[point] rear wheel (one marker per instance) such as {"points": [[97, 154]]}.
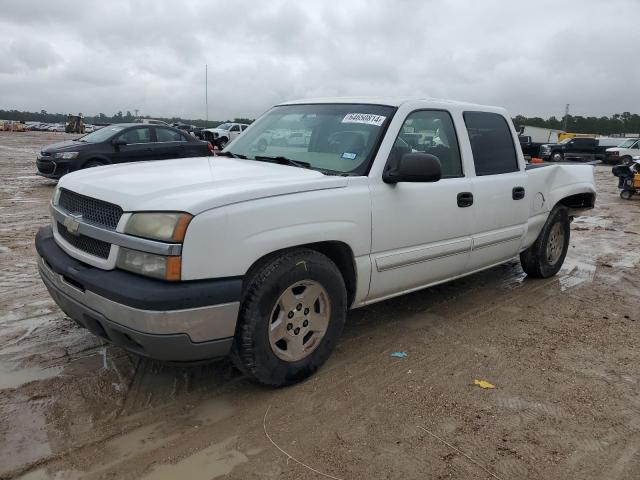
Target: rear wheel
{"points": [[292, 313], [545, 257], [626, 194]]}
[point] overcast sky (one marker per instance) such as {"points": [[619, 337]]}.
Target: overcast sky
{"points": [[531, 57]]}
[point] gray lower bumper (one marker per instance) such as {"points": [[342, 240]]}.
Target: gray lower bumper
{"points": [[178, 335]]}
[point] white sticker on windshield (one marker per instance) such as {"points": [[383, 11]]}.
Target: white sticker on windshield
{"points": [[366, 118]]}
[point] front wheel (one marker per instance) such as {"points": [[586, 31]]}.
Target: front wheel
{"points": [[544, 258], [293, 309], [556, 157], [93, 163], [222, 143]]}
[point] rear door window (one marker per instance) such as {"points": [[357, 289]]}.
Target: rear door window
{"points": [[168, 135], [491, 143]]}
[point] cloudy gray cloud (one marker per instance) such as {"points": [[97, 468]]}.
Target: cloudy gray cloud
{"points": [[531, 57]]}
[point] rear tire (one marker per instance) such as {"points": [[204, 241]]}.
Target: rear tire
{"points": [[626, 194], [545, 257], [293, 309]]}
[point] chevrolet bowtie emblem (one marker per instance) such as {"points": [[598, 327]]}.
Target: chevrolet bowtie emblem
{"points": [[72, 223]]}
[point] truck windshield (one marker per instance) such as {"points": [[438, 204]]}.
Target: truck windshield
{"points": [[627, 143], [224, 126], [340, 138]]}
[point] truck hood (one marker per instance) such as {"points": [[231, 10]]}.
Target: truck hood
{"points": [[194, 184]]}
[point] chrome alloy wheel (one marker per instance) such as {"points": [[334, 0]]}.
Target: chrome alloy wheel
{"points": [[299, 320], [555, 244]]}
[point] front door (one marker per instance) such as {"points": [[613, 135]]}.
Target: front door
{"points": [[137, 148], [500, 200], [421, 232], [234, 132]]}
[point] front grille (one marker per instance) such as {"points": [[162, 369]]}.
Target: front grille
{"points": [[92, 246], [92, 210], [46, 167]]}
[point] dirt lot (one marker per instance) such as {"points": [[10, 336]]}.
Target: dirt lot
{"points": [[564, 354]]}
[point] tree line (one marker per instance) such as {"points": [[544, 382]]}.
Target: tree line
{"points": [[119, 117], [619, 123]]}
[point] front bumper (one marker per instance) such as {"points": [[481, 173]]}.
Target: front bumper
{"points": [[49, 168], [181, 322]]}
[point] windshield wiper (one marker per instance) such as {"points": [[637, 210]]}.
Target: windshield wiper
{"points": [[283, 161], [232, 155]]}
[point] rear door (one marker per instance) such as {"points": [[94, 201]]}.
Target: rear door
{"points": [[499, 190], [170, 143]]}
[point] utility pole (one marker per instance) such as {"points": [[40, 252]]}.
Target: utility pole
{"points": [[566, 117], [136, 110], [206, 93]]}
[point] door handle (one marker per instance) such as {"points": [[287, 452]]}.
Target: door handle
{"points": [[517, 193], [465, 199]]}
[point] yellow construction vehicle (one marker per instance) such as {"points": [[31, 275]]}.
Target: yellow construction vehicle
{"points": [[75, 124]]}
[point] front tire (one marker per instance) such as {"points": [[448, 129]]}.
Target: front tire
{"points": [[222, 143], [556, 157], [545, 257], [93, 163], [292, 313]]}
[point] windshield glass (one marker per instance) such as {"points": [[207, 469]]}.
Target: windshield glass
{"points": [[566, 140], [224, 126], [336, 137], [100, 135], [627, 143]]}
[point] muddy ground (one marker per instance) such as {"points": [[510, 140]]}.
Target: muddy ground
{"points": [[564, 354]]}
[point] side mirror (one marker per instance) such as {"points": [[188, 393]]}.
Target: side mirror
{"points": [[414, 167], [118, 142]]}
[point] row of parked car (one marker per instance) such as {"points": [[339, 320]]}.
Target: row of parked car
{"points": [[55, 127], [543, 143]]}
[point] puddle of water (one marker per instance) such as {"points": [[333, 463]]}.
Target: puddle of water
{"points": [[42, 474], [591, 222], [16, 378], [579, 272], [213, 411], [212, 462], [25, 439]]}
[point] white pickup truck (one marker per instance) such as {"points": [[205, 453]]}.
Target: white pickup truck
{"points": [[260, 252]]}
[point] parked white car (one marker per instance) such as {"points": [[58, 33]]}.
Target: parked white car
{"points": [[223, 134], [624, 152], [260, 253]]}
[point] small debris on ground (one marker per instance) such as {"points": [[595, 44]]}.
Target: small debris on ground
{"points": [[483, 384]]}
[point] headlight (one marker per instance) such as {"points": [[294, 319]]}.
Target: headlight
{"points": [[66, 155], [163, 226], [150, 265]]}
